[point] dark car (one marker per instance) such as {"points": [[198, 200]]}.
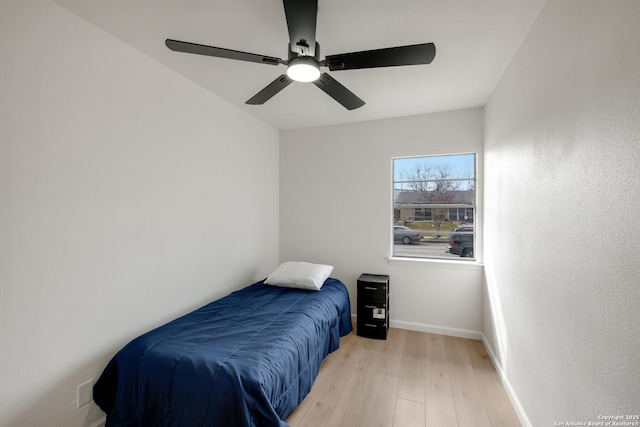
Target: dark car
{"points": [[405, 235], [461, 241]]}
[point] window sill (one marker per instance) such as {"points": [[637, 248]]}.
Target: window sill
{"points": [[419, 262]]}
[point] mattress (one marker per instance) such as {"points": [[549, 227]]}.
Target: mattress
{"points": [[247, 359]]}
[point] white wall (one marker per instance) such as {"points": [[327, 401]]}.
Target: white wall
{"points": [[562, 162], [128, 195], [335, 207]]}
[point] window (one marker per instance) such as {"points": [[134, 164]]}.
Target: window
{"points": [[434, 203]]}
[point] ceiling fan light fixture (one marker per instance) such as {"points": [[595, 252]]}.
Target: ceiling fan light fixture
{"points": [[303, 61], [303, 69]]}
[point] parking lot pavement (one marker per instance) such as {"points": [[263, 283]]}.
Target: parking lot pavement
{"points": [[422, 250]]}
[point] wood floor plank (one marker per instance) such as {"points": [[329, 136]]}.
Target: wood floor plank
{"points": [[368, 383], [412, 382], [381, 402], [440, 408], [497, 403], [358, 385], [470, 408], [409, 414], [330, 387], [393, 348]]}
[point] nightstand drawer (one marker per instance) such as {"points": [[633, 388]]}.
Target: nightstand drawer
{"points": [[372, 291], [373, 329], [372, 311]]}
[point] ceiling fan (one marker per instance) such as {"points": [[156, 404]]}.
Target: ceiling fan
{"points": [[303, 63]]}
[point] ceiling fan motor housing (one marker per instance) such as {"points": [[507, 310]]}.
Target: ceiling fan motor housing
{"points": [[316, 57], [304, 68]]}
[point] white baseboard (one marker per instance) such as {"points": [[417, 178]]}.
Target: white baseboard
{"points": [[432, 329], [100, 423], [507, 385]]}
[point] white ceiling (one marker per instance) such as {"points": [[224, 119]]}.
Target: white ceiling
{"points": [[475, 42]]}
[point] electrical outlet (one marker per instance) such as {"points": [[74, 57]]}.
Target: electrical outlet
{"points": [[85, 393]]}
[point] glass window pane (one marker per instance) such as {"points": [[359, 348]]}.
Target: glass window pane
{"points": [[434, 206]]}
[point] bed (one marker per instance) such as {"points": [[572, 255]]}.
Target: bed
{"points": [[247, 359]]}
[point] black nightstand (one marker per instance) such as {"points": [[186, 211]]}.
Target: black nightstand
{"points": [[373, 306]]}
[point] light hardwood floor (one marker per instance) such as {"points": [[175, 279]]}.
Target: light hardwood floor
{"points": [[412, 379]]}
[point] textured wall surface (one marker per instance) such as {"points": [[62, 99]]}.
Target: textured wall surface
{"points": [[335, 207], [562, 162], [128, 196]]}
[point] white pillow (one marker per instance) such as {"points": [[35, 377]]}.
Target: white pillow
{"points": [[301, 275]]}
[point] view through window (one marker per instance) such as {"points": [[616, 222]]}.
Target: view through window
{"points": [[434, 206]]}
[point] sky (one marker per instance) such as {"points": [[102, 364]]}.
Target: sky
{"points": [[460, 164]]}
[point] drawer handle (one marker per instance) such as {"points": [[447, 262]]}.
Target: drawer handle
{"points": [[370, 306], [370, 325], [369, 288]]}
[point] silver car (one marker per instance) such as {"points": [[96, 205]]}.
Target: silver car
{"points": [[405, 235]]}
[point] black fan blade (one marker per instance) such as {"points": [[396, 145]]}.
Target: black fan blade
{"points": [[268, 92], [200, 49], [390, 57], [301, 21], [334, 89]]}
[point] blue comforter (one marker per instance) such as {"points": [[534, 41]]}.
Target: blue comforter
{"points": [[247, 359]]}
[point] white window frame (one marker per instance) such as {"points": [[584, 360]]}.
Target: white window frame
{"points": [[445, 257]]}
